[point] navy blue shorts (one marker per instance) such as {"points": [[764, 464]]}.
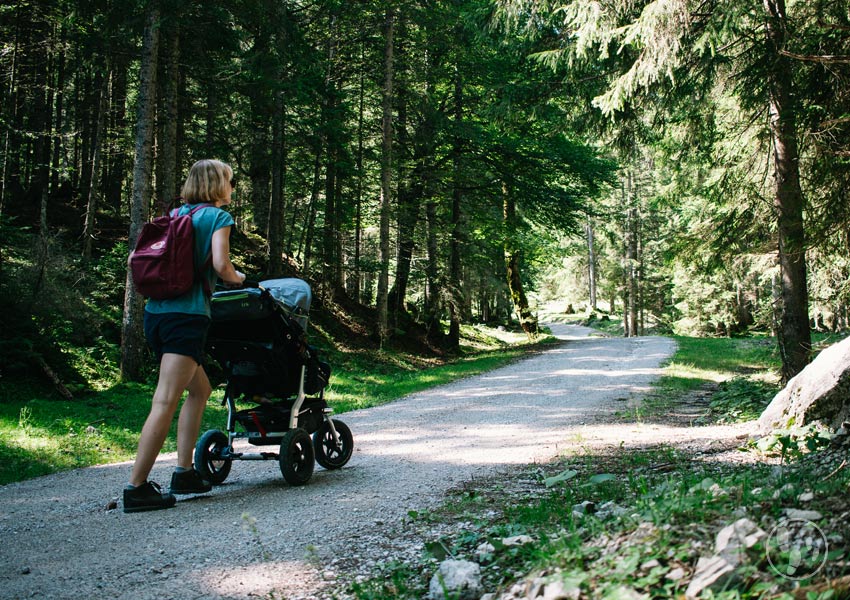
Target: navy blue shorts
{"points": [[177, 333]]}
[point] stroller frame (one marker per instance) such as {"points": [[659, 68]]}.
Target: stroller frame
{"points": [[289, 422]]}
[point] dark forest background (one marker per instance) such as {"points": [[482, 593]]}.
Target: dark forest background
{"points": [[426, 164]]}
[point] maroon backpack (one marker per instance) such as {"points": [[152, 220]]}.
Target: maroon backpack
{"points": [[163, 263]]}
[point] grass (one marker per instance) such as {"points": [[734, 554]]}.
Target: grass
{"points": [[651, 512], [42, 434]]}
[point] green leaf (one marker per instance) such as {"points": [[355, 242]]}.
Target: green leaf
{"points": [[602, 478], [438, 550], [564, 476]]}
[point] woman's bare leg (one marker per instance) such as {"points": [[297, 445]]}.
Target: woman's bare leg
{"points": [[191, 415], [175, 373]]}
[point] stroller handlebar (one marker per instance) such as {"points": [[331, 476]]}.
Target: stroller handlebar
{"points": [[248, 283]]}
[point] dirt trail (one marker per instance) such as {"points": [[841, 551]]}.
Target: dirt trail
{"points": [[255, 536]]}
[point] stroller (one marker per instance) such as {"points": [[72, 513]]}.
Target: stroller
{"points": [[258, 337]]}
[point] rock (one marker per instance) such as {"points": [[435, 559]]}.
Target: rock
{"points": [[485, 551], [788, 487], [737, 537], [610, 509], [818, 393], [650, 564], [586, 507], [459, 579], [558, 590], [622, 592], [518, 540], [806, 497], [803, 515], [676, 574], [713, 573]]}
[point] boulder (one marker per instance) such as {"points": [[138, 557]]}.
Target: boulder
{"points": [[820, 392], [459, 579]]}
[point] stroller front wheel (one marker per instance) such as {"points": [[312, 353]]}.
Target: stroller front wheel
{"points": [[208, 459], [333, 455], [296, 456]]}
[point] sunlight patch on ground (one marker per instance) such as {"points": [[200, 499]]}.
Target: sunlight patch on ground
{"points": [[263, 579]]}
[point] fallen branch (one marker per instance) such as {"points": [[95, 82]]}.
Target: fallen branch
{"points": [[54, 378], [841, 466], [840, 586]]}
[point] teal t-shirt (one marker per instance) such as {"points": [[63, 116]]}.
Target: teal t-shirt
{"points": [[205, 222]]}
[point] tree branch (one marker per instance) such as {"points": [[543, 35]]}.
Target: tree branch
{"points": [[825, 59]]}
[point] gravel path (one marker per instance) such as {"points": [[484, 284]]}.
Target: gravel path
{"points": [[255, 536]]}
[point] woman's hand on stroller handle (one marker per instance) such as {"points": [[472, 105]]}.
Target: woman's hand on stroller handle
{"points": [[245, 283], [235, 284]]}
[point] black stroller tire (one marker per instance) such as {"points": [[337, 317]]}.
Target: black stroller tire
{"points": [[296, 457], [332, 455], [207, 457]]}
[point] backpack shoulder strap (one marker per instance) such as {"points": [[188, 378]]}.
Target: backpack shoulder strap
{"points": [[198, 207]]}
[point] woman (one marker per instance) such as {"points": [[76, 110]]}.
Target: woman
{"points": [[176, 330]]}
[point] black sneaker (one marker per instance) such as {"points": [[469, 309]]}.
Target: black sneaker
{"points": [[148, 496], [189, 482]]}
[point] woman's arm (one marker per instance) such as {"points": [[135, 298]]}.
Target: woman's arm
{"points": [[221, 258]]}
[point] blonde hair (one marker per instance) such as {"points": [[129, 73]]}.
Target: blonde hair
{"points": [[208, 181]]}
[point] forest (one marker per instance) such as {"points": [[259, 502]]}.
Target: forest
{"points": [[683, 162]]}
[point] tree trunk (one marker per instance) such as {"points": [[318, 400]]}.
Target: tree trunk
{"points": [[166, 157], [631, 328], [455, 292], [118, 160], [527, 319], [432, 281], [307, 242], [10, 114], [358, 207], [58, 123], [591, 264], [386, 177], [276, 210], [133, 344], [332, 128], [92, 205], [794, 334], [260, 168]]}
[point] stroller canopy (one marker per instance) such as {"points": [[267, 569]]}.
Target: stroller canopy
{"points": [[293, 295]]}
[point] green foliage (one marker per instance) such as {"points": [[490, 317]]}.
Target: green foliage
{"points": [[740, 399], [793, 441], [645, 523], [62, 312]]}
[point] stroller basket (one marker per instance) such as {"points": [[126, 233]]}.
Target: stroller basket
{"points": [[267, 423]]}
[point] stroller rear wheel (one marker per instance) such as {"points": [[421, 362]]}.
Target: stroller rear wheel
{"points": [[208, 460], [333, 455], [296, 457]]}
